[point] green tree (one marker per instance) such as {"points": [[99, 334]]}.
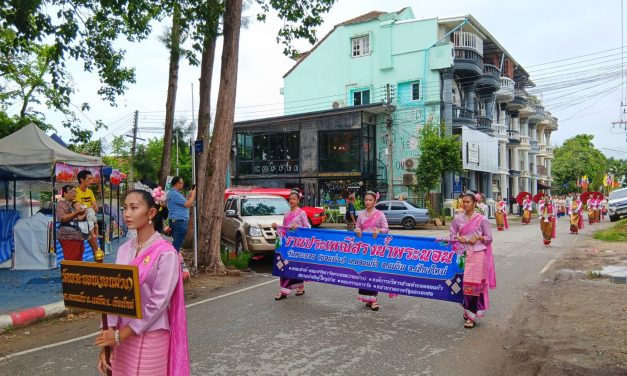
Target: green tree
{"points": [[438, 154], [575, 158], [618, 169], [93, 148], [119, 156]]}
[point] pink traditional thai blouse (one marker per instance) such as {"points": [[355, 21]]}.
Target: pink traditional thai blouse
{"points": [[155, 292], [482, 230], [369, 222], [298, 216]]}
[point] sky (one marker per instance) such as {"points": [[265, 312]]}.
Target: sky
{"points": [[548, 38]]}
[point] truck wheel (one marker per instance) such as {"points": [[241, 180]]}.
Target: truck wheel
{"points": [[614, 218], [239, 245], [409, 223]]}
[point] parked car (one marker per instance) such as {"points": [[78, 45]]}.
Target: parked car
{"points": [[315, 215], [403, 213], [248, 219], [617, 204]]}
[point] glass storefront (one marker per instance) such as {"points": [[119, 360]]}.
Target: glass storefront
{"points": [[339, 151], [268, 154]]}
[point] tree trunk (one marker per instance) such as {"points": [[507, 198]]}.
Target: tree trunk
{"points": [[204, 120], [173, 77], [220, 147]]}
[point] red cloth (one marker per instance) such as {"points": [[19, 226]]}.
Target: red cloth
{"points": [[73, 249]]}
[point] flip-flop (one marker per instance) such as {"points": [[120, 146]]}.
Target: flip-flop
{"points": [[280, 297], [299, 293], [469, 324]]}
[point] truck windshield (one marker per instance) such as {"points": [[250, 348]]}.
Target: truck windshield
{"points": [[264, 206], [618, 194]]}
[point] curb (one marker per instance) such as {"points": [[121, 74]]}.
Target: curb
{"points": [[28, 316]]}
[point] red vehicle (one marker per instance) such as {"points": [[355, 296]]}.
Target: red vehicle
{"points": [[316, 216]]}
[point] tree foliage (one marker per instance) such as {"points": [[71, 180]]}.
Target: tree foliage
{"points": [[575, 158], [439, 154], [618, 169]]}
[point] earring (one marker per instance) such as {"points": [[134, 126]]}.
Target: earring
{"points": [[150, 221]]}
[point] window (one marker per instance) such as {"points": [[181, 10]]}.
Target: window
{"points": [[361, 46], [230, 204], [398, 206], [382, 206], [270, 153], [415, 91], [339, 151], [361, 97]]}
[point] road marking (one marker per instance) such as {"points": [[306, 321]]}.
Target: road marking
{"points": [[547, 266], [10, 356]]}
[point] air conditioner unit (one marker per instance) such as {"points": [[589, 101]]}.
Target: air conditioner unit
{"points": [[409, 179], [337, 104], [409, 163]]}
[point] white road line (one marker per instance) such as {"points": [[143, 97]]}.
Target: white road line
{"points": [[547, 266], [10, 356]]}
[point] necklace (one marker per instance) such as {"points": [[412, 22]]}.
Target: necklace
{"points": [[146, 244]]}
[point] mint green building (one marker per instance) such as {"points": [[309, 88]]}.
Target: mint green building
{"points": [[433, 69]]}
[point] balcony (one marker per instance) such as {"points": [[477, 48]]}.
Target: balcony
{"points": [[513, 136], [534, 147], [506, 91], [500, 130], [525, 174], [489, 82], [554, 125], [463, 116], [542, 150], [519, 102], [549, 152], [525, 141], [468, 54]]}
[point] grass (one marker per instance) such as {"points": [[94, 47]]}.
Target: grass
{"points": [[616, 233], [240, 261]]}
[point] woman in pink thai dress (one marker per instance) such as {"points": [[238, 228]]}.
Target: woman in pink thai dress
{"points": [[374, 221], [156, 344], [472, 231], [293, 219]]}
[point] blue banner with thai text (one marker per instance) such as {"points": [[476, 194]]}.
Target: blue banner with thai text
{"points": [[396, 264]]}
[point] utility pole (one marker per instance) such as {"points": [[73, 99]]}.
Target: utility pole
{"points": [[389, 109], [133, 146], [177, 152]]}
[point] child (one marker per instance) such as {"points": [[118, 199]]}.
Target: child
{"points": [[92, 223]]}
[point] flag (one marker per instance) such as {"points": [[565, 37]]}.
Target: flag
{"points": [[605, 183]]}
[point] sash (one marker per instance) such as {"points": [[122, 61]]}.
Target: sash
{"points": [[371, 221], [470, 227], [178, 357], [290, 217]]}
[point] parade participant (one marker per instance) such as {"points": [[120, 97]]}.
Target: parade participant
{"points": [[527, 207], [69, 235], [597, 208], [561, 207], [293, 219], [604, 207], [351, 214], [472, 231], [178, 208], [156, 344], [546, 212], [458, 205], [576, 216], [501, 214], [481, 206], [590, 205], [374, 221], [86, 197]]}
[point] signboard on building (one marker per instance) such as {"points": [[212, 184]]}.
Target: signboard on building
{"points": [[480, 152]]}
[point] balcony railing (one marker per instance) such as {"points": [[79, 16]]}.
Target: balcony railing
{"points": [[513, 135], [549, 151], [524, 140], [534, 145], [464, 39], [471, 55], [463, 113], [507, 83], [499, 129], [491, 70], [542, 149]]}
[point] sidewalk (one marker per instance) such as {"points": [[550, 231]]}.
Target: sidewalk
{"points": [[35, 292]]}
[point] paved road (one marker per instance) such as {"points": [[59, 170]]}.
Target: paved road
{"points": [[328, 331]]}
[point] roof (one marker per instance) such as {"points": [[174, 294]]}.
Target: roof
{"points": [[29, 152], [366, 17]]}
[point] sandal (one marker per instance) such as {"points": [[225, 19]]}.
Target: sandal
{"points": [[469, 324], [280, 297], [374, 306], [300, 292]]}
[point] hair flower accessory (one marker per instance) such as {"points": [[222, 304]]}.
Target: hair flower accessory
{"points": [[158, 194], [377, 195]]}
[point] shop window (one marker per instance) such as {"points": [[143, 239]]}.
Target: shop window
{"points": [[339, 151]]}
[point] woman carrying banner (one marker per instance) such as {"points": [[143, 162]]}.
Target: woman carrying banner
{"points": [[374, 221], [472, 231], [293, 219], [576, 217], [501, 214], [527, 207], [69, 235], [546, 212], [156, 344]]}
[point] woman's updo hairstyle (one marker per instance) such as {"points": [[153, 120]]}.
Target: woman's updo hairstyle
{"points": [[469, 195]]}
